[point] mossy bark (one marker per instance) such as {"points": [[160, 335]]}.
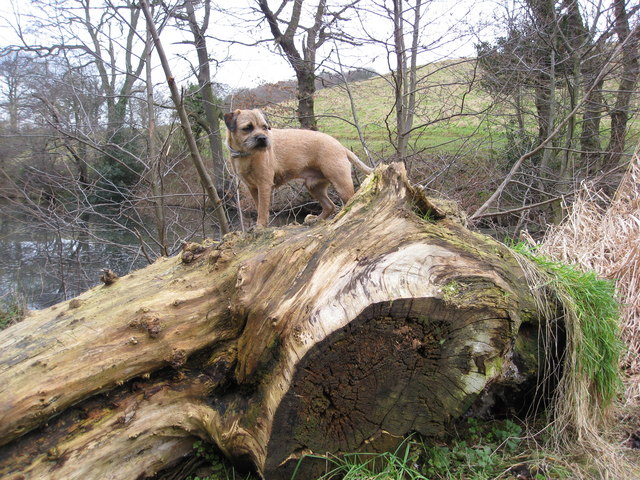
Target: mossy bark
{"points": [[341, 337]]}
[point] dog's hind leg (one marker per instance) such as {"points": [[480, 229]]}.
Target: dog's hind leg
{"points": [[340, 176], [344, 187], [318, 189]]}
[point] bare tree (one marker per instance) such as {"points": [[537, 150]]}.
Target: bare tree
{"points": [[405, 74], [560, 55], [303, 57], [629, 38], [212, 111], [420, 42], [154, 156], [205, 178], [13, 72], [69, 180]]}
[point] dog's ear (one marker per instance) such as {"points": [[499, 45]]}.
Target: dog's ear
{"points": [[231, 120], [266, 119]]}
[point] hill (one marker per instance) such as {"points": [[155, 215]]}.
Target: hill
{"points": [[447, 110]]}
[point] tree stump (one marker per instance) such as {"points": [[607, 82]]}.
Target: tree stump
{"points": [[345, 336]]}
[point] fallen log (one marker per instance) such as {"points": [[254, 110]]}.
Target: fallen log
{"points": [[342, 337]]}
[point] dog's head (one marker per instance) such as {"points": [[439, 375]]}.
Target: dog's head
{"points": [[247, 130]]}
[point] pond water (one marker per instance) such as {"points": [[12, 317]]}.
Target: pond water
{"points": [[45, 265], [48, 260]]}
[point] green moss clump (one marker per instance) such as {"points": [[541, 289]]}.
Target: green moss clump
{"points": [[450, 290]]}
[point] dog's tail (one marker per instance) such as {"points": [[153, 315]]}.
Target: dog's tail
{"points": [[353, 158]]}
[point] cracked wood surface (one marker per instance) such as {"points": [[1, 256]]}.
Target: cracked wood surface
{"points": [[344, 336]]}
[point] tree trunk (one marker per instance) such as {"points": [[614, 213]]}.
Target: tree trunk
{"points": [[203, 174], [154, 157], [630, 42], [379, 323], [590, 137], [211, 109], [306, 91], [405, 77], [303, 64]]}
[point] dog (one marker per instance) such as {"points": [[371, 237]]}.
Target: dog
{"points": [[266, 158]]}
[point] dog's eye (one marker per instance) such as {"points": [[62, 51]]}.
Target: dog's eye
{"points": [[266, 127], [248, 128]]}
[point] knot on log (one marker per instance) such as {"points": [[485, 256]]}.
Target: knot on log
{"points": [[147, 323], [192, 251], [108, 276]]}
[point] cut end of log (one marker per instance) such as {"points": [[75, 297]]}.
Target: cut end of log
{"points": [[411, 365], [402, 366]]}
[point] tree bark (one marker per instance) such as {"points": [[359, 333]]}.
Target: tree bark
{"points": [[405, 76], [154, 157], [306, 92], [304, 64], [211, 109], [341, 337], [629, 40]]}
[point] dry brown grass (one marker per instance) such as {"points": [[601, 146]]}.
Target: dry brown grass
{"points": [[603, 235]]}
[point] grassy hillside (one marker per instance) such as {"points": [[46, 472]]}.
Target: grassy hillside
{"points": [[446, 112], [454, 116]]}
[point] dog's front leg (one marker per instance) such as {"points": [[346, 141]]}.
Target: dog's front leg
{"points": [[263, 204]]}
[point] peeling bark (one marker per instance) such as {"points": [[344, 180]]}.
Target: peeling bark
{"points": [[341, 337]]}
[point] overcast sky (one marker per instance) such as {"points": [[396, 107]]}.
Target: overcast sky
{"points": [[251, 65]]}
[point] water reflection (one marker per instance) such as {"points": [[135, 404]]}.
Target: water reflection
{"points": [[48, 257], [47, 266]]}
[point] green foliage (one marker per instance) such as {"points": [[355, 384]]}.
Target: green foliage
{"points": [[430, 216], [217, 467], [12, 310], [480, 451], [194, 104], [450, 290], [400, 464], [484, 452], [516, 144], [120, 168]]}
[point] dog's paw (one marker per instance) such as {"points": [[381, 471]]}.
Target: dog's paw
{"points": [[257, 228], [311, 219]]}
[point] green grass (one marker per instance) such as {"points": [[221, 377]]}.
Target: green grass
{"points": [[441, 93], [400, 464], [591, 315], [217, 467], [588, 380], [487, 450], [459, 119], [478, 451]]}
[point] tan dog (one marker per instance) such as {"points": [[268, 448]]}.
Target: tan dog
{"points": [[266, 157]]}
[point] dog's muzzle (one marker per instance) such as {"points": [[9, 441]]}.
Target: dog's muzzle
{"points": [[261, 141]]}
